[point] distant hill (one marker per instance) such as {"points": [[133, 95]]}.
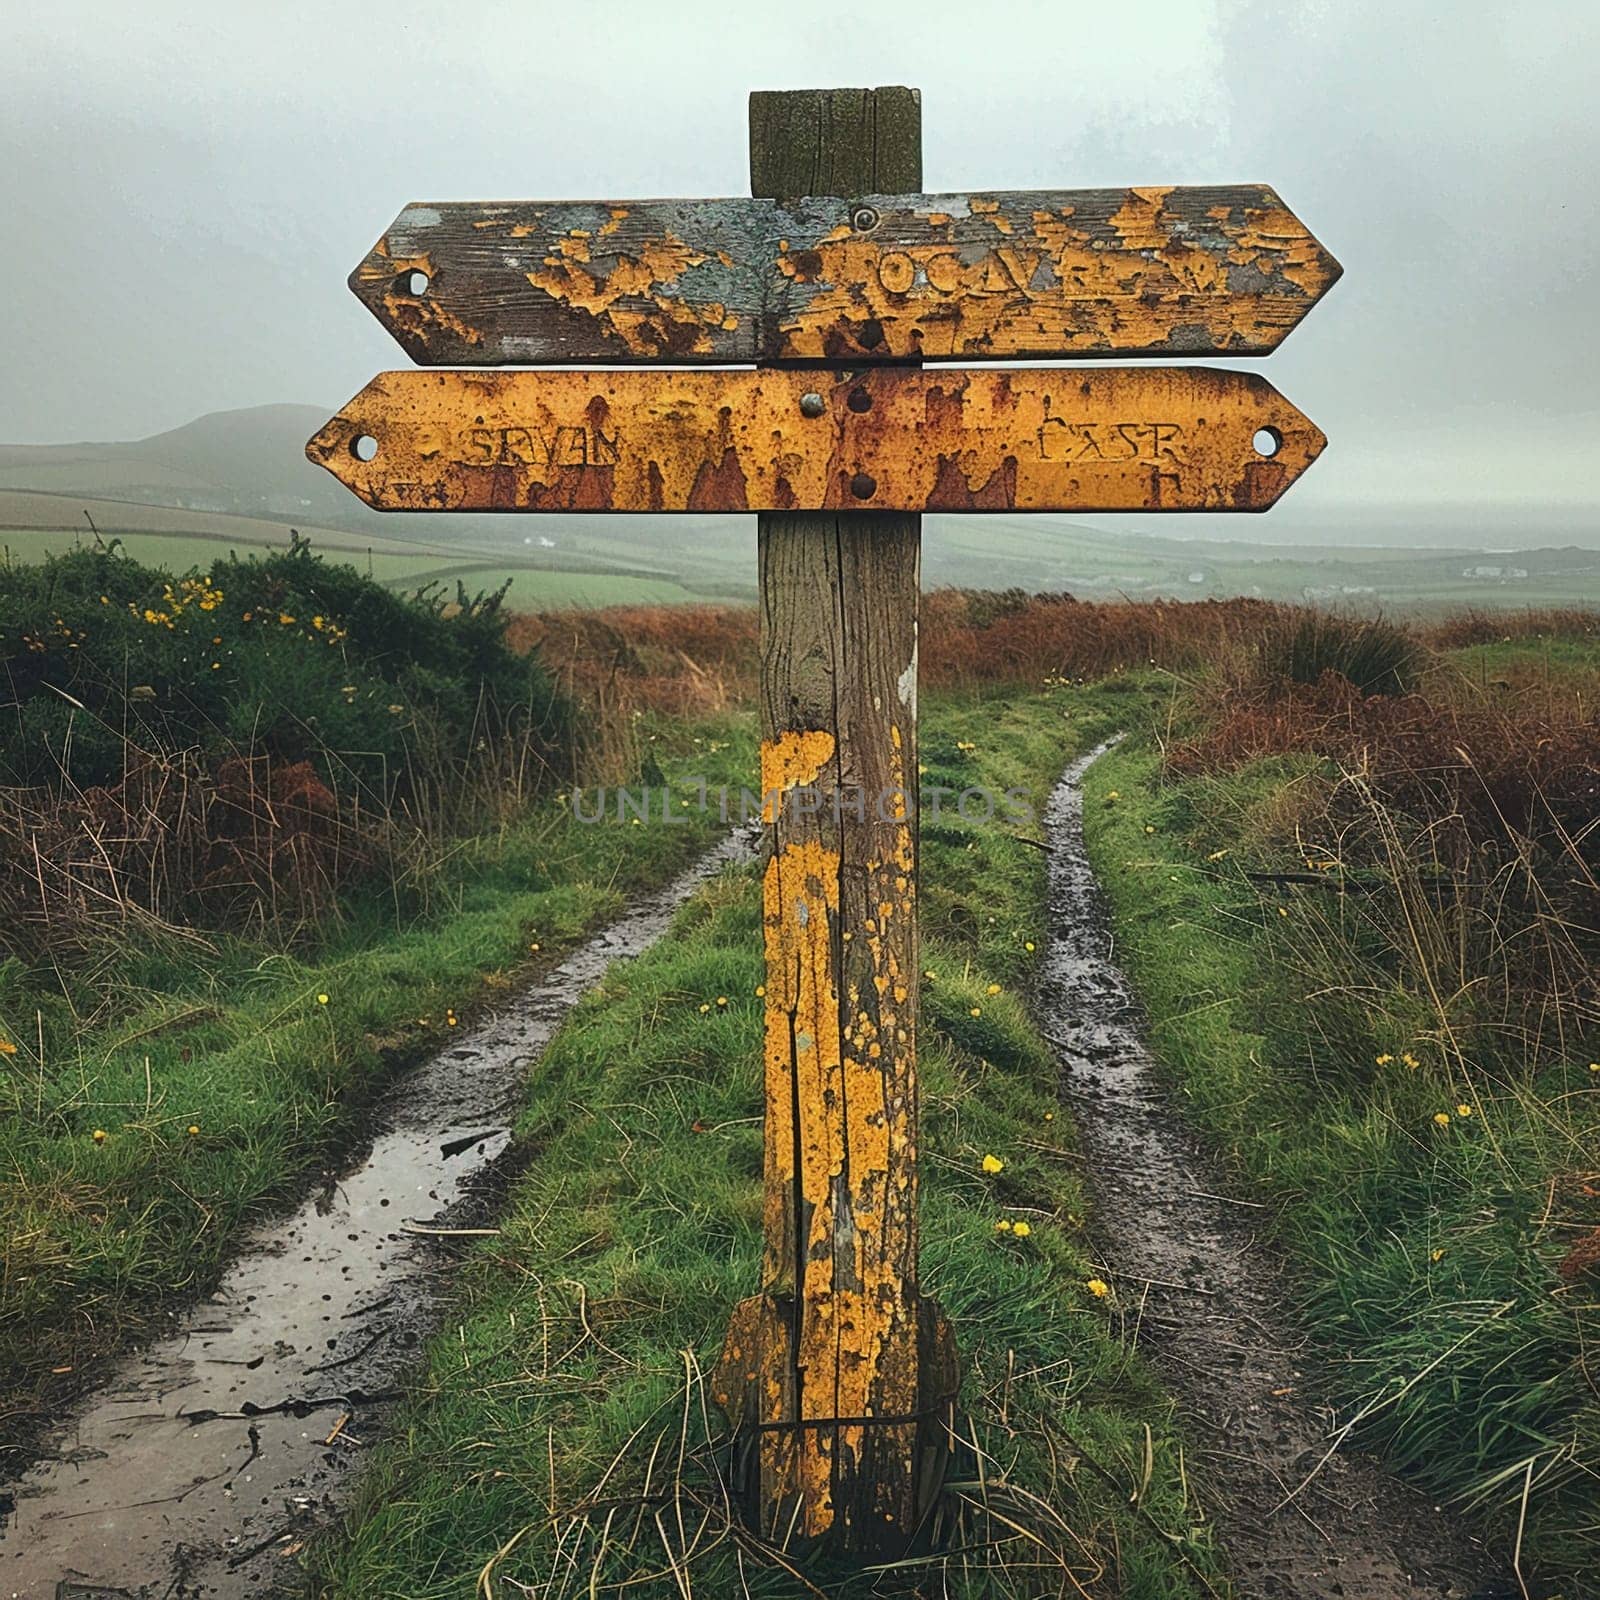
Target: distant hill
{"points": [[247, 463], [241, 479]]}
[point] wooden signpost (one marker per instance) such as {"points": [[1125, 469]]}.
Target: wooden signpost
{"points": [[1037, 274], [838, 278], [889, 439]]}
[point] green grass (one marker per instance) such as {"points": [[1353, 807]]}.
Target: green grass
{"points": [[711, 555], [637, 1228], [1425, 1253], [536, 584], [228, 1035]]}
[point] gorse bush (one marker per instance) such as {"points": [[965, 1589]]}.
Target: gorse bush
{"points": [[1376, 656], [285, 656], [235, 746]]}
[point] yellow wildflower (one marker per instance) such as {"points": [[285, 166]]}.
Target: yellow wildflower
{"points": [[1442, 1118], [977, 1011], [1020, 1230], [993, 1164], [99, 1135], [761, 990], [533, 947], [194, 1130], [1049, 1116], [7, 1048], [284, 618], [704, 1010], [322, 999], [722, 999], [1410, 1060], [1002, 1226], [1385, 1059], [1463, 1111], [1028, 945], [994, 988], [1098, 1287], [1436, 1255]]}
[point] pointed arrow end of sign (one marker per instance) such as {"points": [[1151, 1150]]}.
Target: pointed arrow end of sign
{"points": [[1315, 272], [340, 446], [1287, 442], [394, 281]]}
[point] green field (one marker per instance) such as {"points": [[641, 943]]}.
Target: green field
{"points": [[178, 540]]}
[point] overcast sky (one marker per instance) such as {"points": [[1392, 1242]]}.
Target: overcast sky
{"points": [[186, 187]]}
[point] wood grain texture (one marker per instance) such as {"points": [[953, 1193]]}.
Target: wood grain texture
{"points": [[834, 141], [823, 1372], [856, 275], [890, 438]]}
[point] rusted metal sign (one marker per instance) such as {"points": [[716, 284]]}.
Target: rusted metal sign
{"points": [[885, 439], [1024, 274]]}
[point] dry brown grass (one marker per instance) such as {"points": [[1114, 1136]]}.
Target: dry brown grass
{"points": [[1469, 627], [687, 661], [172, 847]]}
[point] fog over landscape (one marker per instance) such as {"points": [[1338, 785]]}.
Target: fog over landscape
{"points": [[981, 1032], [186, 191]]}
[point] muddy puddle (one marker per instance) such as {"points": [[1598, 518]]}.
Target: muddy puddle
{"points": [[205, 1460], [1207, 1303]]}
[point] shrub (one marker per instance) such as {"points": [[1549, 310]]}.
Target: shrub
{"points": [[284, 655], [1374, 655], [234, 746]]}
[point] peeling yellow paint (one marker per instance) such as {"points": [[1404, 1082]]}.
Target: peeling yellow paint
{"points": [[792, 761], [1068, 288], [630, 299], [1107, 439], [1027, 275]]}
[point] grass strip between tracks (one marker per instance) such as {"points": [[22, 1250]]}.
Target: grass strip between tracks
{"points": [[557, 1437]]}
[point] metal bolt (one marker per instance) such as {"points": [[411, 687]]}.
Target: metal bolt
{"points": [[812, 405], [863, 219]]}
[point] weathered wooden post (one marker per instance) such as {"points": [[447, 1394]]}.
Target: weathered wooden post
{"points": [[836, 278], [838, 1367]]}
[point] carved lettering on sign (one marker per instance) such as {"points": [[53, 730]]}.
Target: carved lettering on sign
{"points": [[563, 446], [1005, 271], [1115, 439], [1040, 273], [1061, 439]]}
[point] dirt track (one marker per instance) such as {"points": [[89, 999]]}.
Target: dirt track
{"points": [[1300, 1520], [205, 1460]]}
